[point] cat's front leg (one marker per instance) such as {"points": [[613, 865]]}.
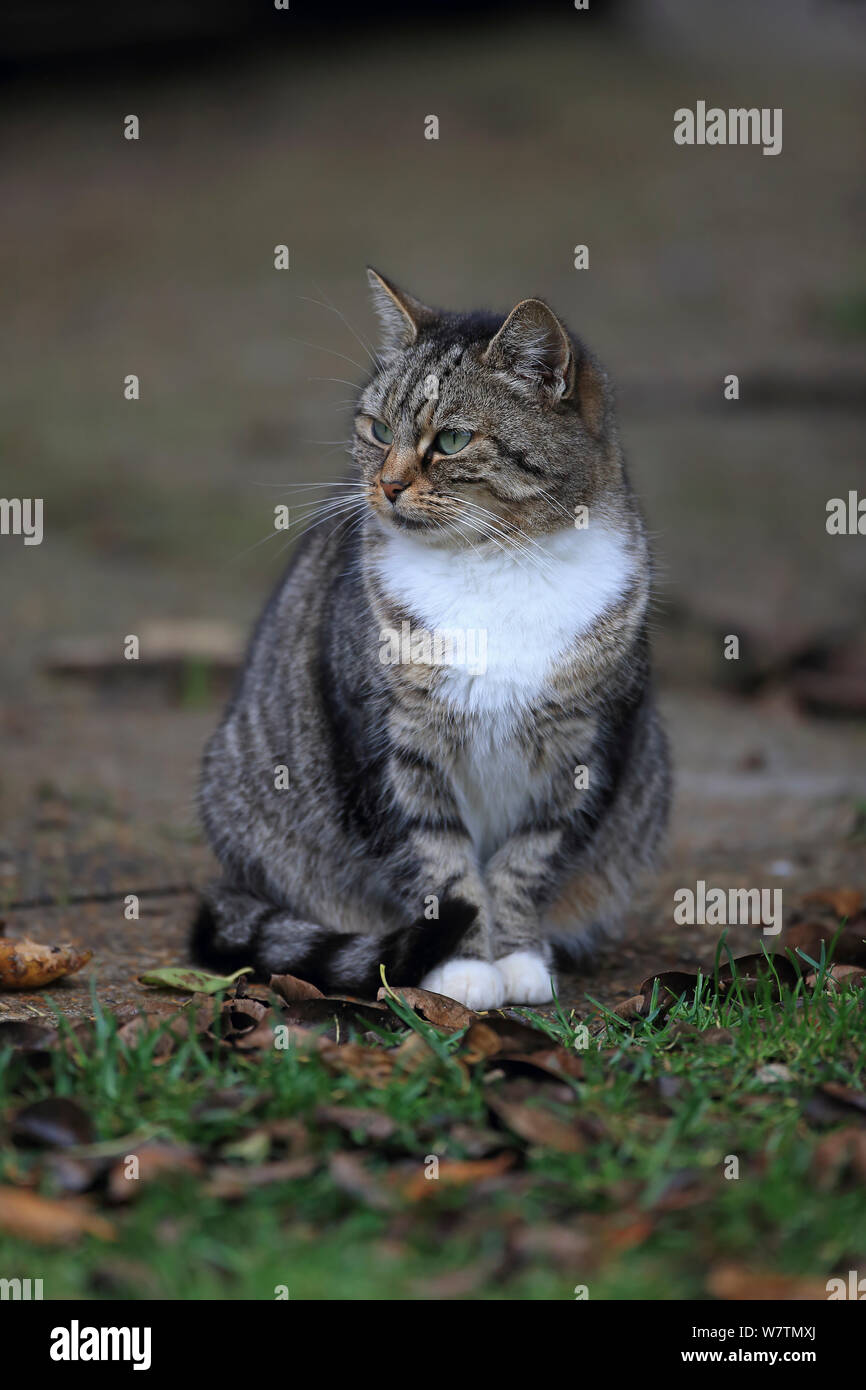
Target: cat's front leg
{"points": [[450, 884], [519, 877], [441, 882]]}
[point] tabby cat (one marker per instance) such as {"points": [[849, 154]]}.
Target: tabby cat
{"points": [[443, 754]]}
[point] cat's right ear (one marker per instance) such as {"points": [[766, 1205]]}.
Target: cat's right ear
{"points": [[401, 316]]}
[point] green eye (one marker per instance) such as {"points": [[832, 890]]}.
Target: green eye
{"points": [[452, 441], [382, 432]]}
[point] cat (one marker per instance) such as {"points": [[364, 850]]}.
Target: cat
{"points": [[443, 755]]}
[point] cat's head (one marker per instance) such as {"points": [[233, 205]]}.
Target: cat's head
{"points": [[474, 426]]}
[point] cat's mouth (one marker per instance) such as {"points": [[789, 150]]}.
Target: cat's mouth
{"points": [[411, 523]]}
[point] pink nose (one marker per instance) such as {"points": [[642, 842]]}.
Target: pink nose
{"points": [[392, 488]]}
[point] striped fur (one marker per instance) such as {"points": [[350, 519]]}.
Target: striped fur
{"points": [[433, 813]]}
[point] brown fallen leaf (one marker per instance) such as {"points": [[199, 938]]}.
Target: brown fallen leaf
{"points": [[374, 1065], [271, 1033], [481, 1041], [850, 941], [126, 1180], [687, 1187], [847, 1097], [356, 1119], [839, 977], [414, 1052], [672, 984], [537, 1125], [28, 964], [56, 1122], [290, 988], [635, 1007], [558, 1062], [778, 972], [455, 1173], [458, 1283], [843, 902], [174, 1028], [229, 1181], [627, 1231], [438, 1009], [737, 1283], [564, 1247], [351, 1175], [840, 1153], [517, 1036], [337, 1014], [49, 1221]]}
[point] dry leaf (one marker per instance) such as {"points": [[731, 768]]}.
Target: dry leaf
{"points": [[481, 1041], [841, 1152], [558, 1062], [850, 947], [228, 1181], [536, 1125], [30, 965], [374, 1065], [455, 1173], [355, 1119], [843, 902], [290, 988], [353, 1176], [48, 1221], [635, 1007], [57, 1122], [438, 1009], [152, 1161], [737, 1283]]}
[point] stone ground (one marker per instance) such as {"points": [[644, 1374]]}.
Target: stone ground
{"points": [[157, 258], [764, 798]]}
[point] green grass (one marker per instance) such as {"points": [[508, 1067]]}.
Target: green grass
{"points": [[664, 1106]]}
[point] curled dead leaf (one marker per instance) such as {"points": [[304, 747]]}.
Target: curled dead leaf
{"points": [[633, 1008], [438, 1009], [28, 964], [290, 988]]}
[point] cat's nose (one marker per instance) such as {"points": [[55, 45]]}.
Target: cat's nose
{"points": [[392, 487]]}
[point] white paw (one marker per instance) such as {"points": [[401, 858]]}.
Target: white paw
{"points": [[525, 978], [475, 983]]}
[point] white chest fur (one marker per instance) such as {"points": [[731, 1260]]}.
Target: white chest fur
{"points": [[515, 616], [519, 612]]}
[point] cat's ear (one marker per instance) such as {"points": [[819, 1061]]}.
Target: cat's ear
{"points": [[401, 316], [533, 344]]}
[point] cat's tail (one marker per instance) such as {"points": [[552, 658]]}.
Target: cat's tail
{"points": [[233, 928]]}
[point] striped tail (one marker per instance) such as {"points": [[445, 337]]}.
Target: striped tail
{"points": [[233, 929]]}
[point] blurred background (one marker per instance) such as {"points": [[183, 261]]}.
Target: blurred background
{"points": [[306, 127]]}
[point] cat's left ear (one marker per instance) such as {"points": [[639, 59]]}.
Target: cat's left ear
{"points": [[402, 317], [533, 344]]}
